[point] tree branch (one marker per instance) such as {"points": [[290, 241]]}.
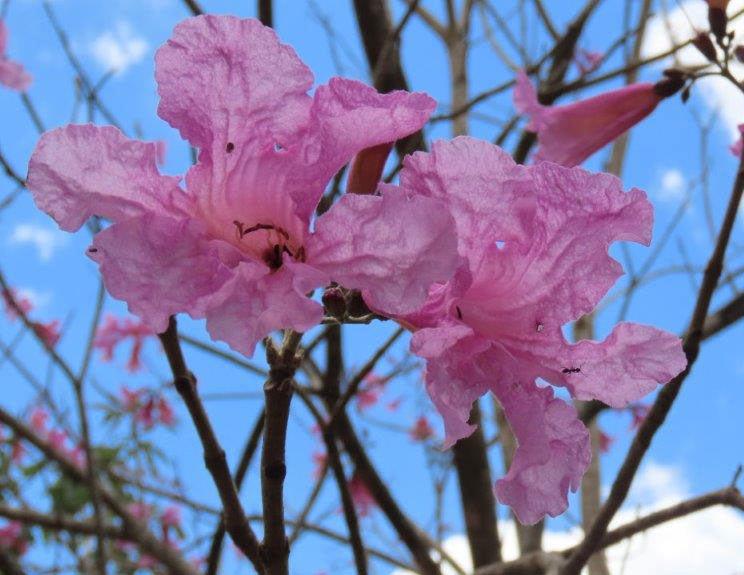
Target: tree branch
{"points": [[214, 456], [278, 393], [668, 393]]}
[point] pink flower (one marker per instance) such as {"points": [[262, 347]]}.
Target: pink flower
{"points": [[421, 430], [114, 331], [38, 419], [360, 495], [367, 397], [11, 297], [320, 460], [605, 441], [140, 511], [48, 332], [534, 242], [569, 134], [18, 451], [638, 412], [57, 439], [165, 412], [11, 535], [237, 246], [12, 73], [171, 517], [130, 398], [170, 520], [587, 61]]}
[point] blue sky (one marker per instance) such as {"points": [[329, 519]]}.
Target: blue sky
{"points": [[700, 441]]}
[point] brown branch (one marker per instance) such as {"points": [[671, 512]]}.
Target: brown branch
{"points": [[537, 563], [470, 457], [214, 456], [357, 380], [347, 503], [266, 13], [251, 445], [278, 393], [331, 392], [62, 523], [11, 173], [668, 393], [375, 28], [193, 7]]}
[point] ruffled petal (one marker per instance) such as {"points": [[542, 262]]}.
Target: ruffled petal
{"points": [[79, 171], [222, 79], [631, 362], [454, 379], [256, 302], [469, 176], [554, 451], [347, 117], [160, 266], [391, 247], [565, 268]]}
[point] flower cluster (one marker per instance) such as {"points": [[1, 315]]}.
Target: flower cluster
{"points": [[15, 303], [147, 407], [483, 259], [115, 331]]}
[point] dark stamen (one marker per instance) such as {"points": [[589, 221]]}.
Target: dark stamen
{"points": [[230, 147], [571, 370]]}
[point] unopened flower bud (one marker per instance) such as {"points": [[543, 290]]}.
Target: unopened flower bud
{"points": [[334, 302], [717, 19], [668, 86], [705, 46]]}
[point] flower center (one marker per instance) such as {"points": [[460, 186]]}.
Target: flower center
{"points": [[277, 243]]}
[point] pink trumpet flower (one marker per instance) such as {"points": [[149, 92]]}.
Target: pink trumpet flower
{"points": [[238, 246], [534, 245], [569, 134]]}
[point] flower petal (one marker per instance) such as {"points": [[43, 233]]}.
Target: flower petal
{"points": [[255, 302], [554, 451], [630, 363], [453, 377], [391, 247], [564, 269], [469, 176], [83, 170], [222, 79], [160, 266], [347, 117]]}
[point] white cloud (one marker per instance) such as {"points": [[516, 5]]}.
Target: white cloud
{"points": [[38, 299], [119, 48], [672, 186], [705, 542], [45, 240], [665, 31]]}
